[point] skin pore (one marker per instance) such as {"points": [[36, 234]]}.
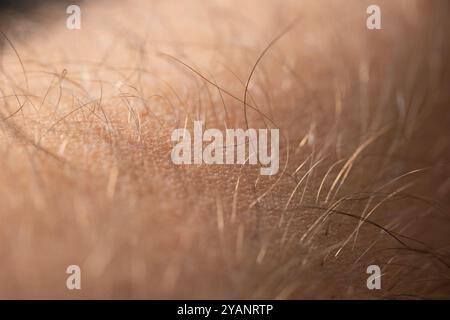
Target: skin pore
{"points": [[86, 174]]}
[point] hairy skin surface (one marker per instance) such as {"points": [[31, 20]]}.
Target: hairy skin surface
{"points": [[86, 176]]}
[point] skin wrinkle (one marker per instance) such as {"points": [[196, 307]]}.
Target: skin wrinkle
{"points": [[86, 176]]}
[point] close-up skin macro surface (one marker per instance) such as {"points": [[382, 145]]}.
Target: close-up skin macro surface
{"points": [[87, 176]]}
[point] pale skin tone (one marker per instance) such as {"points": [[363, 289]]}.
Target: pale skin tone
{"points": [[86, 176]]}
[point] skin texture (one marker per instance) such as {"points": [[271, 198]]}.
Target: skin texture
{"points": [[86, 176]]}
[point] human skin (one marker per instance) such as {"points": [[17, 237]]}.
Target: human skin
{"points": [[86, 176]]}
